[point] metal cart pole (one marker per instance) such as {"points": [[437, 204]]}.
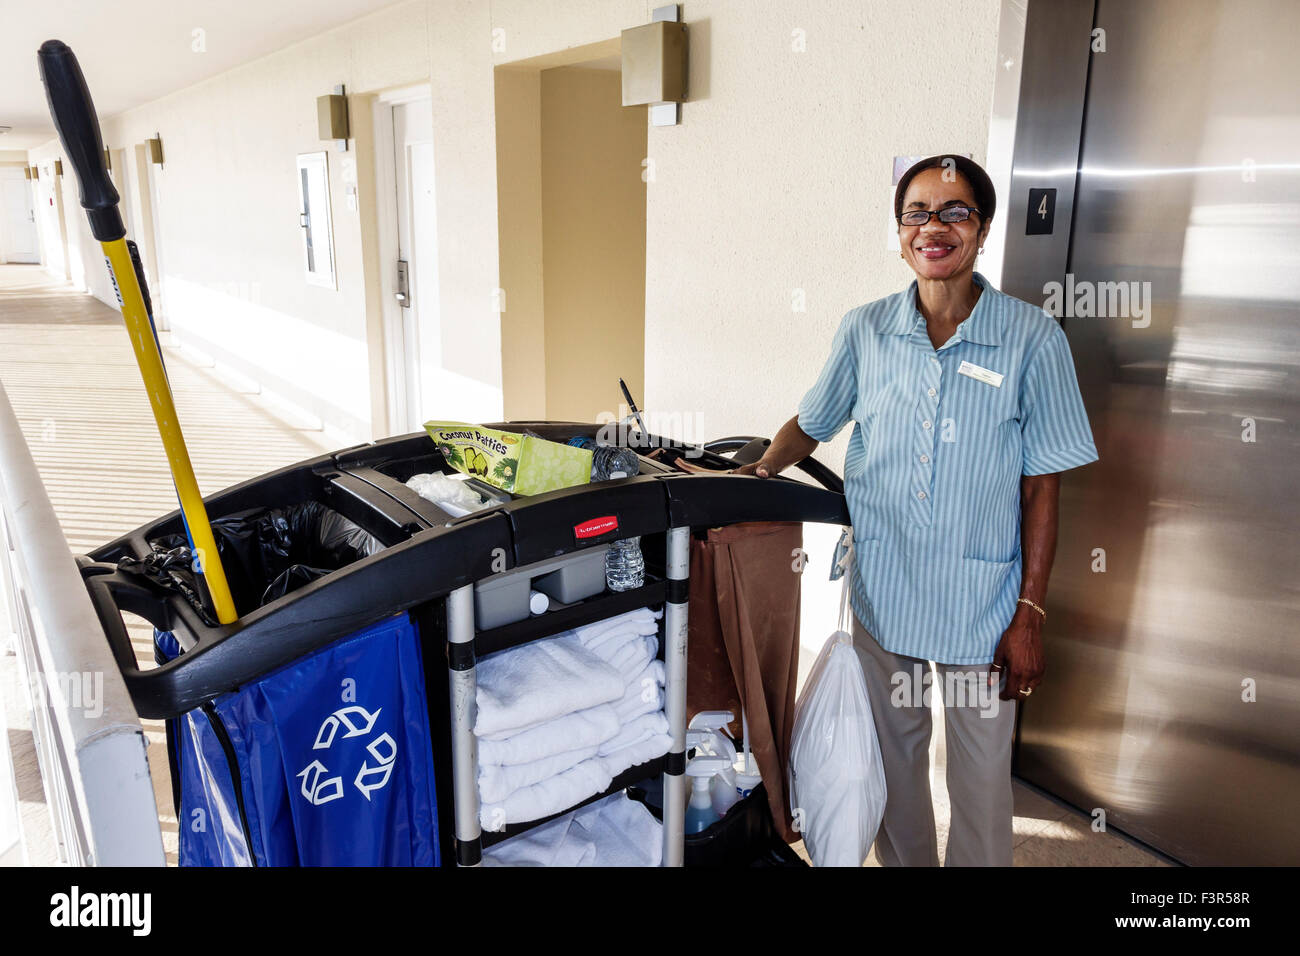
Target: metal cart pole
{"points": [[462, 673], [675, 620]]}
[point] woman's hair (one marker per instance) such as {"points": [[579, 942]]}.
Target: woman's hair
{"points": [[986, 199]]}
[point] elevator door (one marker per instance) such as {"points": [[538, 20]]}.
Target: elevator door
{"points": [[1172, 700]]}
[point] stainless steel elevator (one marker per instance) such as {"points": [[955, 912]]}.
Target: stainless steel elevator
{"points": [[1170, 132]]}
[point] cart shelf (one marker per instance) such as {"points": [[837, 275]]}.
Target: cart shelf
{"points": [[604, 605]]}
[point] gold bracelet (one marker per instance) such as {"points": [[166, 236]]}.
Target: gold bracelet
{"points": [[1033, 605]]}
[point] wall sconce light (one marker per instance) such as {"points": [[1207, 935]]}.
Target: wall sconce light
{"points": [[36, 172], [108, 161], [27, 172], [332, 117], [155, 150], [58, 167], [654, 66]]}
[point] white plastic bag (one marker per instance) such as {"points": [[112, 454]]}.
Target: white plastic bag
{"points": [[452, 495], [837, 779]]}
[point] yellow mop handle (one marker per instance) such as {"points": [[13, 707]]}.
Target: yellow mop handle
{"points": [[164, 413], [74, 117]]}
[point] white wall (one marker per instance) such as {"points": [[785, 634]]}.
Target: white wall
{"points": [[775, 185]]}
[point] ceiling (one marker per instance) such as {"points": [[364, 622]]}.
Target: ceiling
{"points": [[134, 51]]}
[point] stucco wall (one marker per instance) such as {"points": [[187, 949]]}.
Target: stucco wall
{"points": [[770, 196]]}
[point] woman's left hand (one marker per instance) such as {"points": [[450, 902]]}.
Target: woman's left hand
{"points": [[1020, 655]]}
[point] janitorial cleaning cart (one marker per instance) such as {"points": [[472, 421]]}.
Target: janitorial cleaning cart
{"points": [[334, 722]]}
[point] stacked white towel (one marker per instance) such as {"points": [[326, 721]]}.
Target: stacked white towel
{"points": [[559, 719], [615, 831], [534, 683]]}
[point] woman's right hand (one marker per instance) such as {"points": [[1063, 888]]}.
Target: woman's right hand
{"points": [[791, 445], [761, 469]]}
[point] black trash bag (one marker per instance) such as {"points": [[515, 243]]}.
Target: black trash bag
{"points": [[174, 570], [265, 554]]}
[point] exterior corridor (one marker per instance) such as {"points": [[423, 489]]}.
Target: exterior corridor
{"points": [[68, 369]]}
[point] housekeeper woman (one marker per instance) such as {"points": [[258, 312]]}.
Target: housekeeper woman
{"points": [[966, 410]]}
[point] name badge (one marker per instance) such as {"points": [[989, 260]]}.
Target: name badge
{"points": [[987, 376]]}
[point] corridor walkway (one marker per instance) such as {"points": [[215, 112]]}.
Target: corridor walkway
{"points": [[67, 366]]}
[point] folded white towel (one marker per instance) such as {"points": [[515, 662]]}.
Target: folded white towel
{"points": [[496, 783], [631, 658], [582, 728], [635, 731], [547, 796], [640, 621], [615, 636], [570, 786], [644, 694], [622, 832], [638, 753], [531, 684], [615, 831], [558, 843]]}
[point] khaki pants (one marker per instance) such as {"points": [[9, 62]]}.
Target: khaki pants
{"points": [[979, 730]]}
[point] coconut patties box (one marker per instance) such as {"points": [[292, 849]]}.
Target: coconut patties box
{"points": [[520, 464]]}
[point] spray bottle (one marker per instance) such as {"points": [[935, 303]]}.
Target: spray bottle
{"points": [[715, 742], [700, 814]]}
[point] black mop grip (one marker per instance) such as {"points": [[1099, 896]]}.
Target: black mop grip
{"points": [[78, 126]]}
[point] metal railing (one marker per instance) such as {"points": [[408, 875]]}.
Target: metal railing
{"points": [[89, 742]]}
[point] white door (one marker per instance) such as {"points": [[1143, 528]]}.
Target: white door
{"points": [[18, 241], [156, 282], [122, 180], [411, 314], [51, 224]]}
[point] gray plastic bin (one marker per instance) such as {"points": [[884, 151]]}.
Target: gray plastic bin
{"points": [[503, 598]]}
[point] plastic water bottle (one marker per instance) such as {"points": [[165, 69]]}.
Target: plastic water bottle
{"points": [[625, 565], [609, 461]]}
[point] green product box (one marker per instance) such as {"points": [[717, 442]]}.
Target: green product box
{"points": [[520, 464]]}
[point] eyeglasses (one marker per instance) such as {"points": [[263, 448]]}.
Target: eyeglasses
{"points": [[919, 217]]}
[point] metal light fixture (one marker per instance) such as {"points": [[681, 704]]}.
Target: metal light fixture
{"points": [[654, 66], [58, 167], [332, 117], [108, 161], [155, 149]]}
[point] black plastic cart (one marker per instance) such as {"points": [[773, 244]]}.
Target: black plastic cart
{"points": [[428, 568]]}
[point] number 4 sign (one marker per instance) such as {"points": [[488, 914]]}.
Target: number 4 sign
{"points": [[1041, 212]]}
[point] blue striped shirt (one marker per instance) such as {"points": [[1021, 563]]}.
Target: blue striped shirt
{"points": [[932, 475]]}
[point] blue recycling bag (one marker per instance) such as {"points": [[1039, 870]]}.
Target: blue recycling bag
{"points": [[324, 762]]}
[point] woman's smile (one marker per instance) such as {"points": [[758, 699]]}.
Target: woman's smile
{"points": [[934, 250]]}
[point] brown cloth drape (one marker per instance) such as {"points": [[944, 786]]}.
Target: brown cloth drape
{"points": [[744, 640]]}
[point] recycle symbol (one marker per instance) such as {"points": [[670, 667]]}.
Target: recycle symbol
{"points": [[319, 788]]}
